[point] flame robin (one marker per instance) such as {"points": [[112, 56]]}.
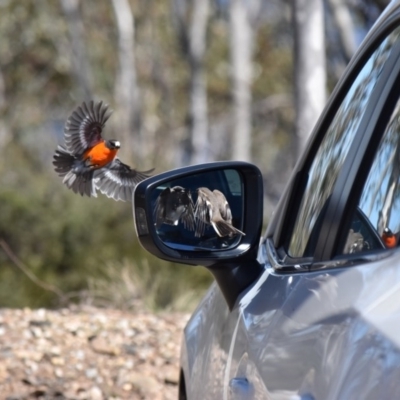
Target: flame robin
{"points": [[88, 162], [173, 205], [389, 238], [213, 209]]}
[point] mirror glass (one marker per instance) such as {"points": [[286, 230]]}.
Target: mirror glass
{"points": [[201, 212]]}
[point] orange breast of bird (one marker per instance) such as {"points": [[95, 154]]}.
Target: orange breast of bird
{"points": [[100, 155]]}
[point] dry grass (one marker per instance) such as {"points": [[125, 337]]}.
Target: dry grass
{"points": [[126, 286]]}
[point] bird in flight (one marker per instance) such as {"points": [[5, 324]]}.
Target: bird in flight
{"points": [[88, 162], [173, 205], [213, 209]]}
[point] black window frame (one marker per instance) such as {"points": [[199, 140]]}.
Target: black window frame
{"points": [[349, 184], [355, 171], [362, 170]]}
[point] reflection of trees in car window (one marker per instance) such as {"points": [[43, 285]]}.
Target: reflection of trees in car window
{"points": [[335, 146], [380, 199]]}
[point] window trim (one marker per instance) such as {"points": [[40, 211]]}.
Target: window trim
{"points": [[282, 224], [361, 171], [355, 170]]}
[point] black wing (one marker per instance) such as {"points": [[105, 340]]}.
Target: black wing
{"points": [[187, 216], [160, 210], [174, 205], [84, 127], [74, 176], [117, 180], [202, 210]]}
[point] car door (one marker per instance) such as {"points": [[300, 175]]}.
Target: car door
{"points": [[317, 324]]}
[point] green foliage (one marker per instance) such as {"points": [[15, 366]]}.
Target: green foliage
{"points": [[67, 240], [84, 245]]}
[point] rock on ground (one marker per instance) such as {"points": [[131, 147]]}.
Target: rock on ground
{"points": [[89, 353]]}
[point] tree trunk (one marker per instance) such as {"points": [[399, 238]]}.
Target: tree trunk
{"points": [[80, 63], [5, 135], [241, 47], [192, 28], [391, 190], [309, 67], [341, 16], [198, 94], [127, 119]]}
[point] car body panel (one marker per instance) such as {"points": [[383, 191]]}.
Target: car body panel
{"points": [[331, 335], [204, 350]]}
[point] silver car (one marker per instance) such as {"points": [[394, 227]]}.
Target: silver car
{"points": [[311, 310]]}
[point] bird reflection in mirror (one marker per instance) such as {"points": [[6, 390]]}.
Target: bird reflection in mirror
{"points": [[173, 205], [213, 209]]}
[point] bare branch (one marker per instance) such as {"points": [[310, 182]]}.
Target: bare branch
{"points": [[33, 278]]}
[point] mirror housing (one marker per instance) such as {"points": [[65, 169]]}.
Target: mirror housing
{"points": [[169, 222], [244, 246]]}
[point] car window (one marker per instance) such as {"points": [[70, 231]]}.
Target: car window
{"points": [[334, 148], [376, 220]]}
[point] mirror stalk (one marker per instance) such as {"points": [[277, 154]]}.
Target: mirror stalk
{"points": [[234, 278]]}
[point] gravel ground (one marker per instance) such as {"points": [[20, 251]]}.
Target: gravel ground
{"points": [[89, 353]]}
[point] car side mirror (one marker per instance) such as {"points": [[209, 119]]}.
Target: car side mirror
{"points": [[209, 215], [202, 214]]}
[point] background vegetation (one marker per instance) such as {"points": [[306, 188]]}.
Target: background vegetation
{"points": [[87, 247]]}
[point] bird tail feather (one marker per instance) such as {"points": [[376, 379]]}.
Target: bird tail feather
{"points": [[77, 179], [224, 229]]}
